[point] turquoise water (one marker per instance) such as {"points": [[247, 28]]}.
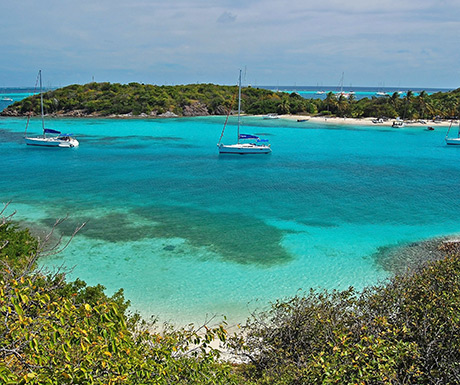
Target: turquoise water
{"points": [[188, 233], [9, 96]]}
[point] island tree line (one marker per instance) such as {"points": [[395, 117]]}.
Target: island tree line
{"points": [[134, 99]]}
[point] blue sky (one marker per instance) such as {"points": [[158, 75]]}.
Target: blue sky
{"points": [[401, 43]]}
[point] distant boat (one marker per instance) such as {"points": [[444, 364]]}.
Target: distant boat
{"points": [[453, 140], [58, 140], [302, 120], [271, 116], [320, 92], [398, 124], [380, 91], [255, 146], [7, 99], [342, 93]]}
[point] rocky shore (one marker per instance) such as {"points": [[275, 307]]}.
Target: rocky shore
{"points": [[193, 110], [399, 259]]}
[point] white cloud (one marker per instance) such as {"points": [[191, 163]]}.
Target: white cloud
{"points": [[203, 40], [226, 17]]}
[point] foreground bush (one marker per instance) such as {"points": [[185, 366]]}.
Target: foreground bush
{"points": [[407, 331], [54, 332]]}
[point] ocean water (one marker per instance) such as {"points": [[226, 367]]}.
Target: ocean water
{"points": [[190, 234]]}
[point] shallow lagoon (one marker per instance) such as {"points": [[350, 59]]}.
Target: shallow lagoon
{"points": [[188, 233]]}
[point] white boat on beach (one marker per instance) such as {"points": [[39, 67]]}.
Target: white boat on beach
{"points": [[57, 140], [255, 146], [271, 116], [398, 124], [453, 140]]}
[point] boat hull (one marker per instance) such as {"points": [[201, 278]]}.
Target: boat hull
{"points": [[243, 149], [52, 142], [453, 141]]}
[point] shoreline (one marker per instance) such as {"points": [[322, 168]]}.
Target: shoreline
{"points": [[332, 120], [365, 121]]}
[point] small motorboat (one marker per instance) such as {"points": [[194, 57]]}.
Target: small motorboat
{"points": [[271, 116]]}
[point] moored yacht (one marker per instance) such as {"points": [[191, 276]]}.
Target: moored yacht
{"points": [[58, 140], [255, 146]]}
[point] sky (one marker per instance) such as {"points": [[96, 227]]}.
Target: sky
{"points": [[376, 43]]}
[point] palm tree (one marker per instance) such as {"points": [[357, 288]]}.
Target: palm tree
{"points": [[394, 100], [342, 106], [284, 107], [330, 101], [421, 104], [408, 113]]}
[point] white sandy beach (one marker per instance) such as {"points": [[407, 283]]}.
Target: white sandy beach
{"points": [[367, 121]]}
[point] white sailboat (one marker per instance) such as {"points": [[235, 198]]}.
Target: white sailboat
{"points": [[342, 93], [58, 140], [255, 144], [453, 140]]}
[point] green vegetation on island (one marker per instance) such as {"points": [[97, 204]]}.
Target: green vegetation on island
{"points": [[134, 99], [105, 99]]}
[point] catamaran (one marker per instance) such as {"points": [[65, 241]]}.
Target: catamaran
{"points": [[57, 140], [245, 144]]}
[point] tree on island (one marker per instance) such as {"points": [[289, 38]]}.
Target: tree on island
{"points": [[134, 99]]}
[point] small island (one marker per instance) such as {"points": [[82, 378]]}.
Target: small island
{"points": [[145, 100]]}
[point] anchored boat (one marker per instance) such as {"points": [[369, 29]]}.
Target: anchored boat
{"points": [[245, 144], [57, 140]]}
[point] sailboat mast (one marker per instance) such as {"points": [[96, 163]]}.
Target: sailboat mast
{"points": [[341, 85], [239, 106], [41, 102]]}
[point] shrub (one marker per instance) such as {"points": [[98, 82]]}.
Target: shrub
{"points": [[406, 331], [54, 332]]}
